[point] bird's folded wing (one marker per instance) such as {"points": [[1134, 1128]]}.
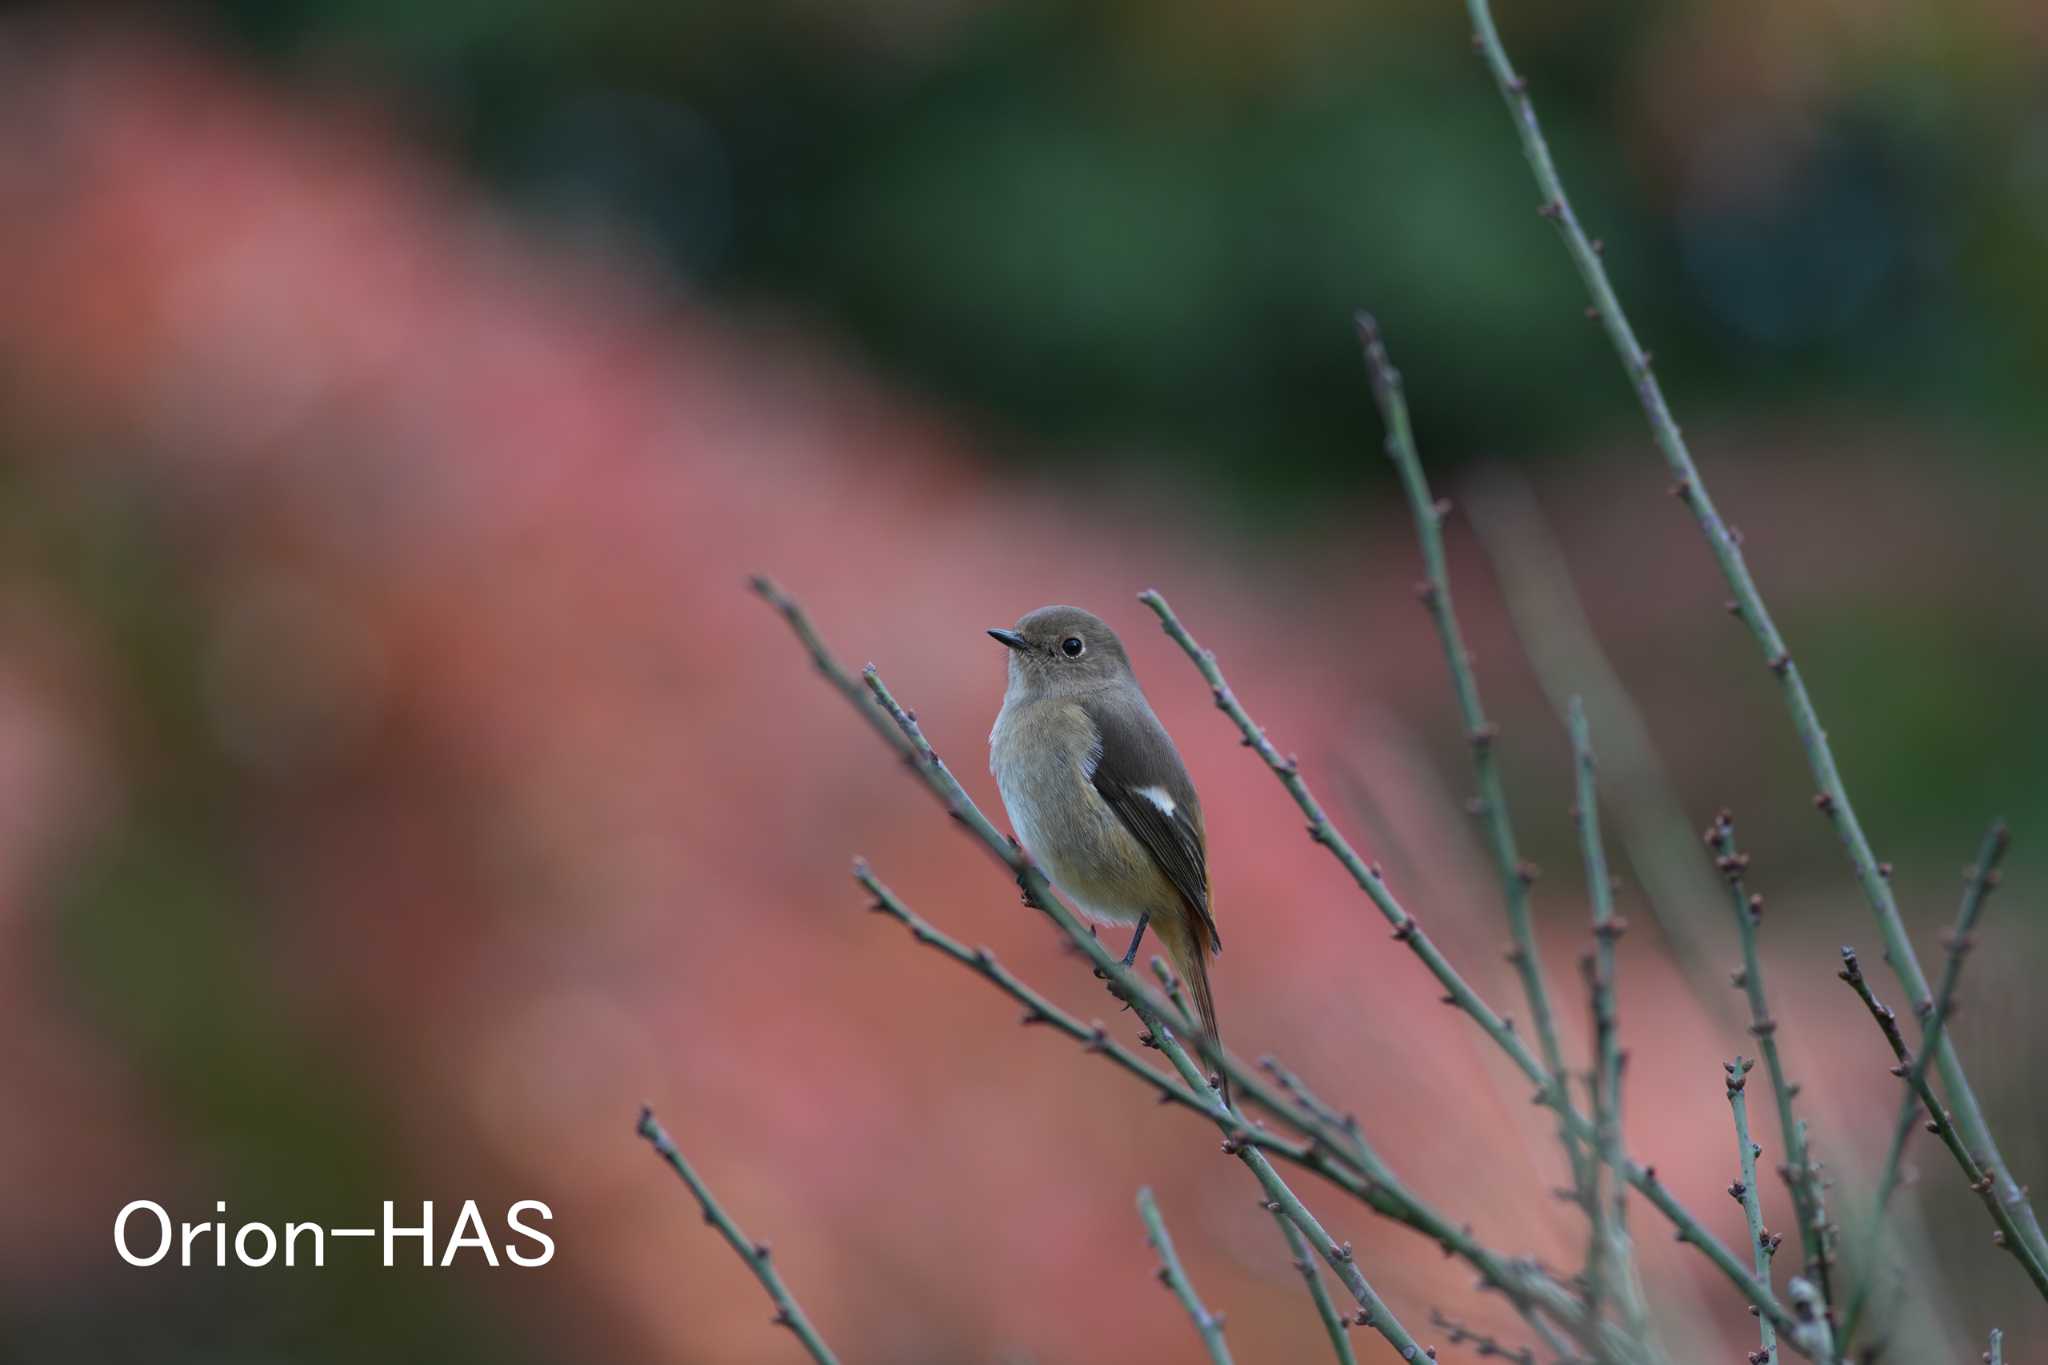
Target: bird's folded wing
{"points": [[1141, 777]]}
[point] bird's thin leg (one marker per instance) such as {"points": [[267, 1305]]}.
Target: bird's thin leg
{"points": [[1131, 953]]}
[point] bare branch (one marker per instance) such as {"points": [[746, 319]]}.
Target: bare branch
{"points": [[828, 667], [1240, 1139], [1482, 734], [1483, 1346], [1762, 1242], [1942, 1124], [1609, 1255], [1372, 1310], [1801, 1174], [1832, 797], [1175, 1277], [1326, 1307], [755, 1254], [1979, 880], [1039, 1009], [1367, 876]]}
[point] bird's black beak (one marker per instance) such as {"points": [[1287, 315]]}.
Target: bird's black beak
{"points": [[1010, 638]]}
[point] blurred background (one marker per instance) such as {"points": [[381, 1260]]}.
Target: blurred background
{"points": [[398, 786]]}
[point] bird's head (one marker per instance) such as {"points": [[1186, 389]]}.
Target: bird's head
{"points": [[1057, 650]]}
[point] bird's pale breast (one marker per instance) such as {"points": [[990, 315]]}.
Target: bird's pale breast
{"points": [[1042, 754]]}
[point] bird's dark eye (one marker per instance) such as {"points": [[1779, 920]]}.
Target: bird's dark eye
{"points": [[1073, 646]]}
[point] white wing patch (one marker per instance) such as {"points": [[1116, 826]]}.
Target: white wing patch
{"points": [[1159, 797]]}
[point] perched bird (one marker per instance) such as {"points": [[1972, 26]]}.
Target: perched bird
{"points": [[1097, 793]]}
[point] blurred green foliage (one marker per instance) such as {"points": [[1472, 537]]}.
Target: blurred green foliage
{"points": [[162, 938], [1133, 230]]}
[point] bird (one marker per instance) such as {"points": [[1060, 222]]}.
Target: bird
{"points": [[1098, 795]]}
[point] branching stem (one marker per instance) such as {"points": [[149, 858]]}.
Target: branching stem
{"points": [[1483, 1346], [1610, 1263], [1832, 798], [1941, 1122], [1761, 1242], [1370, 880], [1978, 883], [1481, 734], [755, 1254], [1801, 1175], [1175, 1277], [1039, 1009], [1304, 1260]]}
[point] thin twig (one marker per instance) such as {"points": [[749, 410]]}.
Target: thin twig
{"points": [[1601, 1249], [1175, 1277], [1406, 929], [1480, 733], [1832, 797], [1367, 875], [1456, 1242], [1240, 1140], [1372, 1310], [844, 683], [1800, 1173], [1941, 1122], [755, 1254], [1038, 1009], [1483, 1346], [1326, 1307], [1281, 1200], [1609, 1255], [1996, 1355], [1762, 1242], [1978, 882]]}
